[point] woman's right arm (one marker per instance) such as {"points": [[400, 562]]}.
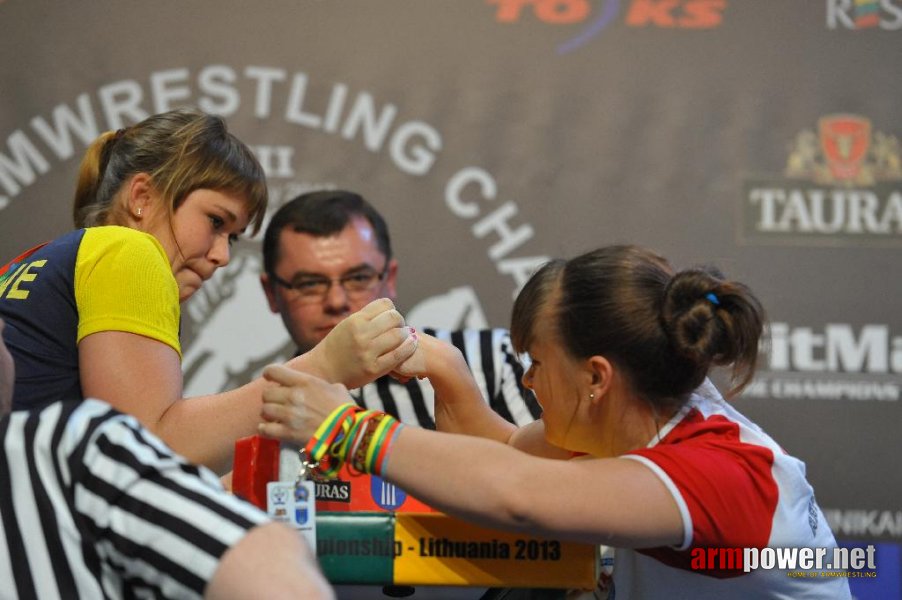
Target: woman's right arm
{"points": [[142, 376]]}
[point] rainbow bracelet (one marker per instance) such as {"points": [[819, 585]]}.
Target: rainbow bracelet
{"points": [[360, 438]]}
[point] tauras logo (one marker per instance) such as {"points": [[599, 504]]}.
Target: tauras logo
{"points": [[334, 491], [840, 186], [819, 211], [838, 347]]}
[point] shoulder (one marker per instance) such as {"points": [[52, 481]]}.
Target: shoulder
{"points": [[87, 420], [73, 425], [110, 449], [723, 482], [121, 242], [709, 435], [125, 260], [61, 247]]}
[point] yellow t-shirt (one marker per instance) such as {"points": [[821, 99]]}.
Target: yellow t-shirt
{"points": [[124, 282]]}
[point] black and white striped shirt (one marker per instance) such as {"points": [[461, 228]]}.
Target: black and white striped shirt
{"points": [[92, 505], [490, 357]]}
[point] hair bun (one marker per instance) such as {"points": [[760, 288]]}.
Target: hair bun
{"points": [[690, 315]]}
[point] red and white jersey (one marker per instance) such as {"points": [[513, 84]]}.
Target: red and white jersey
{"points": [[735, 488]]}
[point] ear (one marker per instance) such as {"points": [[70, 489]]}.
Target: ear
{"points": [[269, 291], [391, 278], [141, 198], [601, 372]]}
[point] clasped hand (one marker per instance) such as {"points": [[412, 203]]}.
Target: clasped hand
{"points": [[365, 346], [293, 409], [368, 344]]}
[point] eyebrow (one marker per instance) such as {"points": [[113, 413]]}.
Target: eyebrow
{"points": [[231, 217], [354, 269]]}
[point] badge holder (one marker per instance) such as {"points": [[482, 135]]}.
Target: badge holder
{"points": [[294, 502]]}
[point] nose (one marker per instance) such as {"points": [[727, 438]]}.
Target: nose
{"points": [[336, 300], [220, 253]]}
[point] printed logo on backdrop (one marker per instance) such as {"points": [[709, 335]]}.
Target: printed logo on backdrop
{"points": [[864, 524], [232, 305], [594, 17], [228, 332], [842, 185], [859, 15], [832, 362]]}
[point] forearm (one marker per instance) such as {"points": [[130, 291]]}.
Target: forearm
{"points": [[459, 404], [314, 363], [597, 501], [500, 477], [204, 429], [272, 561]]}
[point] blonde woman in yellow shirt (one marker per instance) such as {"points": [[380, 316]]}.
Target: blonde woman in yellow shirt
{"points": [[95, 313]]}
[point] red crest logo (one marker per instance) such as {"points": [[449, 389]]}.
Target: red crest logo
{"points": [[845, 152], [845, 140]]}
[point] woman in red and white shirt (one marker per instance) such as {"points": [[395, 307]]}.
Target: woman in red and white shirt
{"points": [[660, 466]]}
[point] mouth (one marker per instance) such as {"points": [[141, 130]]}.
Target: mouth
{"points": [[200, 274], [190, 284]]}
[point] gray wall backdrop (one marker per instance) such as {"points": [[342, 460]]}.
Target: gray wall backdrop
{"points": [[761, 135]]}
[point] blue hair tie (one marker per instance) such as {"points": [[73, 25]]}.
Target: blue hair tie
{"points": [[712, 298]]}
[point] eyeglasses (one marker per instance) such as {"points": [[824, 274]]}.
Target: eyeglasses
{"points": [[309, 290]]}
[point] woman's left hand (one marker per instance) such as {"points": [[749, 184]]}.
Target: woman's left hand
{"points": [[293, 409]]}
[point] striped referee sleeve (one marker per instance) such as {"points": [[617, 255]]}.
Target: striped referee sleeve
{"points": [[495, 367], [108, 509], [497, 370]]}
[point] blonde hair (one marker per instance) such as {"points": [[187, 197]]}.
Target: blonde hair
{"points": [[182, 151]]}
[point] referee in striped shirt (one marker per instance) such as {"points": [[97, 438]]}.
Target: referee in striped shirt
{"points": [[92, 505], [326, 255]]}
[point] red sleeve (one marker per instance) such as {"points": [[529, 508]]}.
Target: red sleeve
{"points": [[724, 487]]}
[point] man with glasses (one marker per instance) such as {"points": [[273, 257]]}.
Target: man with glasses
{"points": [[326, 255]]}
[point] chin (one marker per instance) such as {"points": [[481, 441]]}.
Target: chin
{"points": [[186, 292]]}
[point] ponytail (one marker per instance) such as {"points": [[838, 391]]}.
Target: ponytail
{"points": [[88, 208]]}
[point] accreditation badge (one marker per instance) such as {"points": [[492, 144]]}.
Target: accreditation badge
{"points": [[294, 503]]}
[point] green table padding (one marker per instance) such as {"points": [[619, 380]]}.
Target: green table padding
{"points": [[356, 548]]}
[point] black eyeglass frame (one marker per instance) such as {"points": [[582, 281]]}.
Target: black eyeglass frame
{"points": [[380, 276]]}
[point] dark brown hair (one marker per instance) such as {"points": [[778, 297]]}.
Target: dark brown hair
{"points": [[665, 329], [322, 213], [182, 151]]}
